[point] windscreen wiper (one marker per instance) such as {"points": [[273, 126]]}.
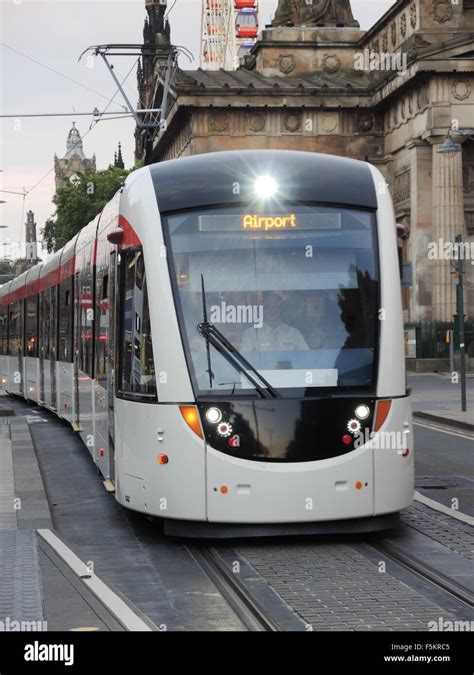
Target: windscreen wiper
{"points": [[236, 359], [204, 316]]}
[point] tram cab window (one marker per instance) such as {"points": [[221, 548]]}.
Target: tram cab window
{"points": [[137, 369], [295, 292]]}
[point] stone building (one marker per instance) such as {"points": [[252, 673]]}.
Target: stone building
{"points": [[74, 161], [388, 95]]}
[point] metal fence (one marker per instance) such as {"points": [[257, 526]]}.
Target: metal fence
{"points": [[432, 342]]}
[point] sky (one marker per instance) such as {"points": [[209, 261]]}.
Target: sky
{"points": [[55, 33]]}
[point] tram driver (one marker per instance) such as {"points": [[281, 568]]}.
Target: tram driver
{"points": [[273, 335]]}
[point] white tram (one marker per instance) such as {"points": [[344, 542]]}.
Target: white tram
{"points": [[226, 336]]}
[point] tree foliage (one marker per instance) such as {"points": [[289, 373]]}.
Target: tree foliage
{"points": [[7, 271], [78, 203]]}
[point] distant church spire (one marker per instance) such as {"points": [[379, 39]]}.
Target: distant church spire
{"points": [[118, 159], [74, 162], [74, 143]]}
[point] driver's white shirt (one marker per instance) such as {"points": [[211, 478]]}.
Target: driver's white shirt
{"points": [[279, 338]]}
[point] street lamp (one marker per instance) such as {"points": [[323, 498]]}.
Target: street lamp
{"points": [[449, 146]]}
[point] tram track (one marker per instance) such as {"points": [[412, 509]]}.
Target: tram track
{"points": [[425, 571], [252, 615]]}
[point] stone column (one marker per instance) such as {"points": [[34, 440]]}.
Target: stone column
{"points": [[448, 221], [420, 229]]}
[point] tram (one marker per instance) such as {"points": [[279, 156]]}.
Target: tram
{"points": [[226, 337]]}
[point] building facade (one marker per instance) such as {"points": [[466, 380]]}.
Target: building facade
{"points": [[388, 95]]}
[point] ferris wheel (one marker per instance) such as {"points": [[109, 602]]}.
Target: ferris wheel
{"points": [[229, 31]]}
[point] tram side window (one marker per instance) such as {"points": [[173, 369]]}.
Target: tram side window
{"points": [[14, 328], [53, 326], [31, 326], [86, 321], [3, 330], [65, 320], [102, 314], [137, 370], [45, 320]]}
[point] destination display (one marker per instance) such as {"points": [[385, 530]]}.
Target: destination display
{"points": [[254, 222]]}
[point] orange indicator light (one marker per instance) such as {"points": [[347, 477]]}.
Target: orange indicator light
{"points": [[358, 485], [383, 408], [162, 459], [224, 489], [191, 418]]}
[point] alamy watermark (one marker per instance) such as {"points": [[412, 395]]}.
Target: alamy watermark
{"points": [[9, 625], [451, 250], [383, 440], [447, 625], [383, 61], [227, 313]]}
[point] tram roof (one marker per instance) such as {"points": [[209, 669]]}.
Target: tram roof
{"points": [[210, 179]]}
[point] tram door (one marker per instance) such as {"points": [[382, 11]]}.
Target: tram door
{"points": [[77, 337], [21, 344], [53, 343], [42, 342], [111, 351]]}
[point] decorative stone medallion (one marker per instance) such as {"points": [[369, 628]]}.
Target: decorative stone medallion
{"points": [[442, 11], [256, 120], [292, 122], [393, 33], [219, 121], [365, 122], [403, 25], [329, 122], [461, 90], [286, 63], [331, 63]]}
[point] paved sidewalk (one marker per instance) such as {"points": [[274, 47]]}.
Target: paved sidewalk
{"points": [[437, 399], [23, 507]]}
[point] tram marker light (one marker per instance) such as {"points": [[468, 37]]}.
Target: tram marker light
{"points": [[224, 429], [162, 459], [353, 426], [191, 418], [213, 415], [347, 439], [265, 186], [362, 411], [358, 485], [405, 452], [224, 489]]}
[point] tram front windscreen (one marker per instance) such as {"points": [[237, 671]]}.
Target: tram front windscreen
{"points": [[292, 293]]}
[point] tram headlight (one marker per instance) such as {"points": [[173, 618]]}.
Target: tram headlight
{"points": [[265, 186], [362, 411], [213, 415]]}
